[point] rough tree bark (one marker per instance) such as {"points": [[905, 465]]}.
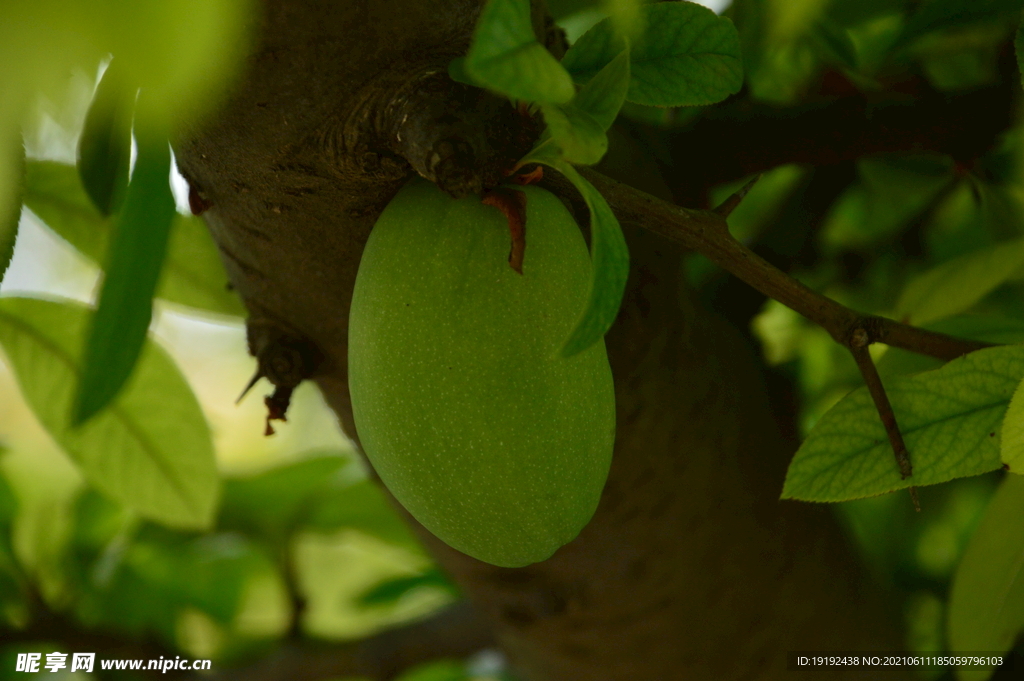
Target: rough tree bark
{"points": [[691, 568]]}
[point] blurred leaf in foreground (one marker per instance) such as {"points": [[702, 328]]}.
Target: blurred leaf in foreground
{"points": [[151, 450]]}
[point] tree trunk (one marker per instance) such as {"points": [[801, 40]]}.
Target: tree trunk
{"points": [[691, 568]]}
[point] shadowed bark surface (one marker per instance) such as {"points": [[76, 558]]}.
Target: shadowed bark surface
{"points": [[691, 568]]}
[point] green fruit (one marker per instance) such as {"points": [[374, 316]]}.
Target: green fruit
{"points": [[462, 401]]}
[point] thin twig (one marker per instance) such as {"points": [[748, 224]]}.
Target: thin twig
{"points": [[859, 349], [726, 208], [708, 233]]}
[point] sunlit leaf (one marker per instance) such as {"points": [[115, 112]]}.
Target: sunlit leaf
{"points": [[950, 419], [12, 189], [957, 285], [54, 192], [604, 95], [506, 57], [137, 253], [986, 603], [193, 273], [151, 450], [104, 149], [686, 56]]}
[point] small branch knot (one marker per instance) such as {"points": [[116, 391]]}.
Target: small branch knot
{"points": [[860, 338], [283, 357]]}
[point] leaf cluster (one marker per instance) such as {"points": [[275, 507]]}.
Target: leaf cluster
{"points": [[158, 538], [684, 55]]}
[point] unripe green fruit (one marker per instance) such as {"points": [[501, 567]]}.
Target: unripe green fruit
{"points": [[463, 404]]}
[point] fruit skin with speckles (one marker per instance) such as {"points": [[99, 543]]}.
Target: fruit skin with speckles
{"points": [[462, 401]]}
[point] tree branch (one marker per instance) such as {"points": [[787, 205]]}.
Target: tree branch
{"points": [[708, 233], [740, 137]]}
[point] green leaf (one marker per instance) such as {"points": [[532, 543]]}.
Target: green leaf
{"points": [[54, 192], [686, 56], [851, 14], [457, 72], [893, 190], [104, 150], [506, 57], [957, 285], [193, 273], [151, 450], [390, 591], [11, 576], [950, 420], [209, 572], [989, 329], [625, 15], [1013, 433], [10, 207], [609, 255], [360, 506], [136, 577], [945, 14], [835, 41], [8, 511], [126, 299], [986, 603], [271, 504], [577, 134], [594, 50], [8, 503], [605, 94]]}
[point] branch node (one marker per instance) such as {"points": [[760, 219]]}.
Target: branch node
{"points": [[860, 338]]}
